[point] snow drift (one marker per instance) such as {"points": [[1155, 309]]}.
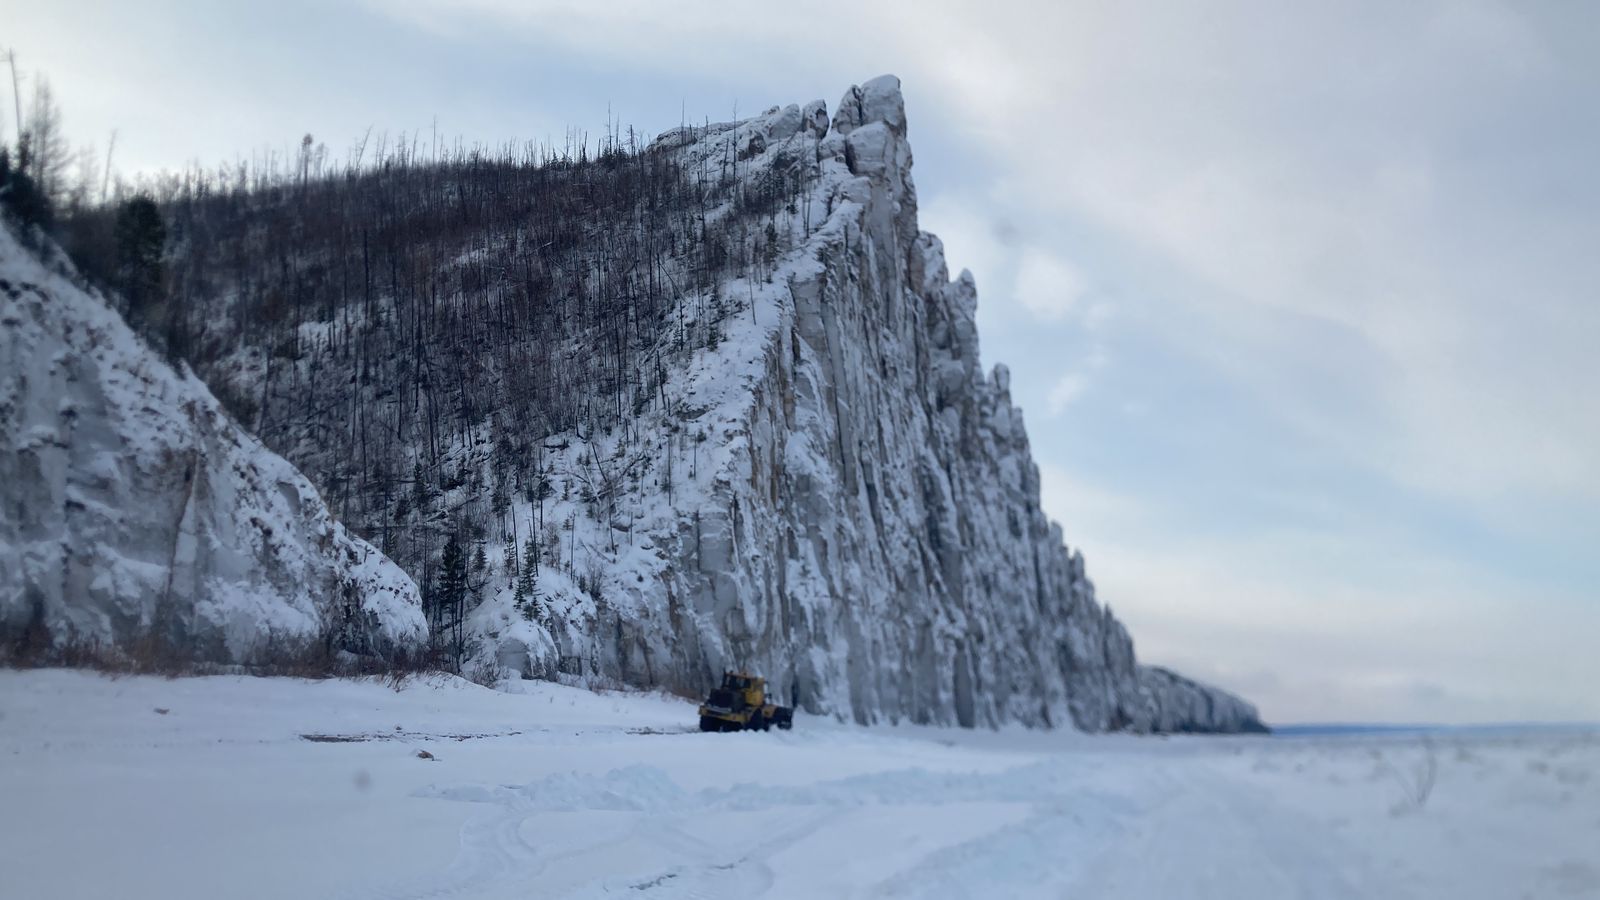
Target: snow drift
{"points": [[132, 507]]}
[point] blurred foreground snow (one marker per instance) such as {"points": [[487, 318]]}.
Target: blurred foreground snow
{"points": [[240, 787]]}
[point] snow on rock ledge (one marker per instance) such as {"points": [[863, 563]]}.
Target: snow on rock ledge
{"points": [[131, 505]]}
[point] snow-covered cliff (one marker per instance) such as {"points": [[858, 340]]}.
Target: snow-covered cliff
{"points": [[132, 507], [835, 494], [716, 402]]}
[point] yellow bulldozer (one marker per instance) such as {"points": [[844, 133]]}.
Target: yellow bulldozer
{"points": [[741, 705]]}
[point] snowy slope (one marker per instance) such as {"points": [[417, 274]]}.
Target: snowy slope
{"points": [[835, 495], [208, 787], [132, 507]]}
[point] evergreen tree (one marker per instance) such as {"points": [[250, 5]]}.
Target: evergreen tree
{"points": [[509, 561], [141, 240], [419, 489], [452, 576], [528, 584], [477, 575], [450, 595], [499, 501], [18, 193]]}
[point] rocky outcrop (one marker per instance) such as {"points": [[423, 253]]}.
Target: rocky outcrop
{"points": [[837, 495], [1182, 705], [132, 507]]}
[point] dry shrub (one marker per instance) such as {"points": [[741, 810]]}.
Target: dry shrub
{"points": [[487, 674], [682, 692], [153, 653]]}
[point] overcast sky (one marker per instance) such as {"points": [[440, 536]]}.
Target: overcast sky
{"points": [[1299, 300]]}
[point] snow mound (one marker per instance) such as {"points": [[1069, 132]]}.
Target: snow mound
{"points": [[132, 507]]}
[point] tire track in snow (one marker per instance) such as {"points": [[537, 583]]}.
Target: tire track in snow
{"points": [[494, 856], [1037, 856], [747, 875], [491, 854], [1218, 837], [1170, 834]]}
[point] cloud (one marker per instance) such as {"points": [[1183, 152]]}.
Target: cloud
{"points": [[1072, 385], [1071, 500], [1048, 286], [1267, 615], [1068, 388], [1293, 197]]}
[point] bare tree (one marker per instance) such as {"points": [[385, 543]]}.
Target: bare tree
{"points": [[49, 153], [16, 90], [461, 312]]}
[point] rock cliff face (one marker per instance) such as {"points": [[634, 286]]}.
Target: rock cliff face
{"points": [[716, 403], [132, 507], [836, 495]]}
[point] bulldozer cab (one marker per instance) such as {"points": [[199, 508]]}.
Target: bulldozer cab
{"points": [[750, 689]]}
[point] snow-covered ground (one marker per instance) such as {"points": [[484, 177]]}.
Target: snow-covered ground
{"points": [[232, 787]]}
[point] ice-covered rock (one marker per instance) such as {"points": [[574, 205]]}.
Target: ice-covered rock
{"points": [[843, 500], [132, 507]]}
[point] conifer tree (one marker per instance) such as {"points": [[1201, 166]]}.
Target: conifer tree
{"points": [[419, 489], [528, 584], [451, 592], [477, 575], [141, 238], [509, 562]]}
